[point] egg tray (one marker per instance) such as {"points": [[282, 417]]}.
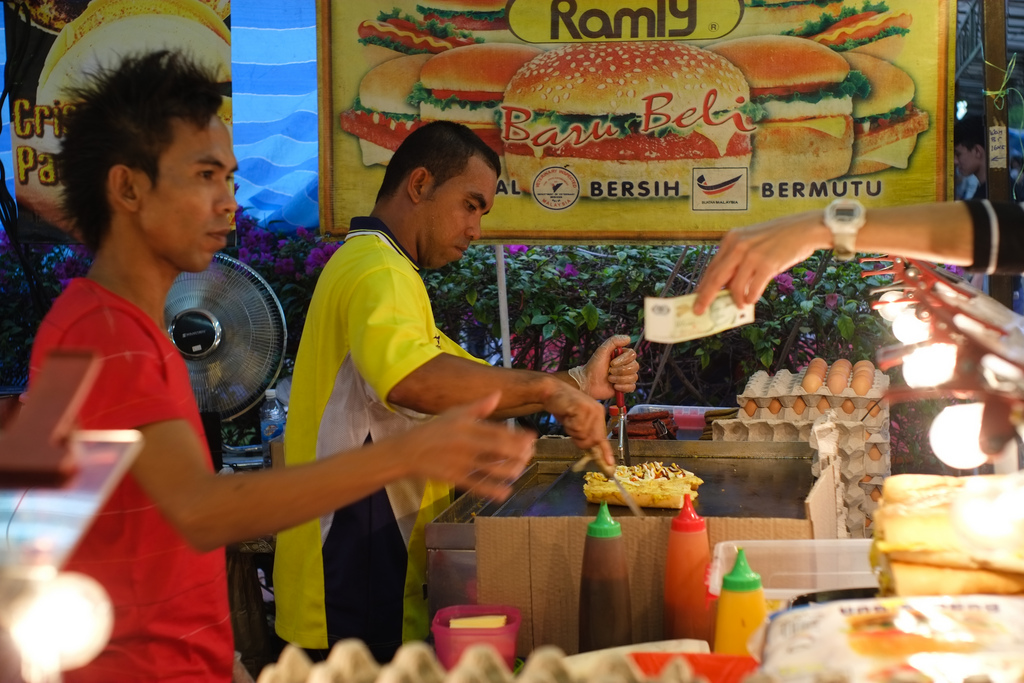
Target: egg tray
{"points": [[859, 462], [787, 387], [853, 434], [350, 661]]}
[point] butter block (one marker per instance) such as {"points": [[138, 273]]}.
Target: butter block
{"points": [[480, 621]]}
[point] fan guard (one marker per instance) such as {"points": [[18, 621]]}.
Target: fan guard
{"points": [[230, 328]]}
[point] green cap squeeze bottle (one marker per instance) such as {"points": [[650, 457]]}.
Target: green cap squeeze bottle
{"points": [[741, 608], [605, 616]]}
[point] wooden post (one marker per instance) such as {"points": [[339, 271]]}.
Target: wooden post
{"points": [[993, 23]]}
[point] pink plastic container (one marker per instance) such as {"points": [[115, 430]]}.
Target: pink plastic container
{"points": [[450, 642]]}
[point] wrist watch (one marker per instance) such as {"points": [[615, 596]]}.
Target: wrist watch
{"points": [[844, 218]]}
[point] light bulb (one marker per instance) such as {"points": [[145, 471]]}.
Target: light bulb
{"points": [[910, 329], [929, 366], [890, 309], [63, 623], [955, 435]]}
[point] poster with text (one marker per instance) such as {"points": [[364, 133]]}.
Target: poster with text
{"points": [[644, 120], [54, 45]]}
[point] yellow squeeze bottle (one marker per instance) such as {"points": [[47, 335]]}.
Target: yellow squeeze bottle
{"points": [[741, 608]]}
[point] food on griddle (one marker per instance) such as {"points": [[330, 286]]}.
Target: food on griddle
{"points": [[651, 484]]}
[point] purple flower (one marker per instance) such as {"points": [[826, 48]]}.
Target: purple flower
{"points": [[831, 300], [518, 248], [809, 277], [318, 257], [284, 267], [784, 281], [570, 270]]}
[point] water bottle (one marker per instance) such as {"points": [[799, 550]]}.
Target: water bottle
{"points": [[271, 423]]}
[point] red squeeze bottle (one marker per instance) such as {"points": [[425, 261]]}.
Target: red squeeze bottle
{"points": [[688, 612]]}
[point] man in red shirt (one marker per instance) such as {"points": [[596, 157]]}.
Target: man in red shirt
{"points": [[147, 169]]}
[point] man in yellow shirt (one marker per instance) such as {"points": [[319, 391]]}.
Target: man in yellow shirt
{"points": [[373, 363]]}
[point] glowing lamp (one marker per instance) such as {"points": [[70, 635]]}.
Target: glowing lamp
{"points": [[910, 329], [930, 365], [892, 306], [955, 437], [62, 623]]}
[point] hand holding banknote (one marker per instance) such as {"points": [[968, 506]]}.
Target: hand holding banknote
{"points": [[669, 321]]}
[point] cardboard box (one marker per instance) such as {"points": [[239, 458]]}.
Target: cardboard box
{"points": [[534, 563]]}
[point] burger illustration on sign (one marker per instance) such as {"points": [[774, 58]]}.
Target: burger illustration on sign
{"points": [[800, 91], [805, 93], [629, 119]]}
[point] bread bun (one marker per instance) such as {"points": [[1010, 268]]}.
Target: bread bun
{"points": [[464, 5], [921, 579], [779, 16], [613, 78], [386, 87], [801, 151], [486, 67], [783, 61], [888, 48], [891, 86]]}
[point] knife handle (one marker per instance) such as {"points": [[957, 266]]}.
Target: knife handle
{"points": [[620, 398]]}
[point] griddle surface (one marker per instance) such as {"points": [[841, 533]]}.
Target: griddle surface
{"points": [[733, 487]]}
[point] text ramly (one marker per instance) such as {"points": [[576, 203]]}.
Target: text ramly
{"points": [[573, 21]]}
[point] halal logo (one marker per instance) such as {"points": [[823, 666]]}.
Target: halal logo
{"points": [[556, 188], [716, 188]]}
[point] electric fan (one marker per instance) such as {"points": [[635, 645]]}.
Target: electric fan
{"points": [[230, 328]]}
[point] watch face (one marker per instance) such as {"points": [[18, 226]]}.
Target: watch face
{"points": [[846, 213]]}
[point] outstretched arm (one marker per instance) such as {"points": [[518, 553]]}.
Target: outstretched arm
{"points": [[209, 510], [748, 258]]}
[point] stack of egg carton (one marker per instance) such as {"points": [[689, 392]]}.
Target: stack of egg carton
{"points": [[780, 408], [349, 661]]}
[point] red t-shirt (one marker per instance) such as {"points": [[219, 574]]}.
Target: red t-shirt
{"points": [[171, 615]]}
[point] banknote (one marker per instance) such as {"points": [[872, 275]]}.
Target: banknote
{"points": [[668, 321]]}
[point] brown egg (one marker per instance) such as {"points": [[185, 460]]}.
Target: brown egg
{"points": [[823, 405], [874, 410], [775, 406], [867, 523], [876, 494], [865, 479], [837, 381], [847, 406], [812, 381], [818, 366], [861, 384], [843, 363], [799, 406], [874, 453], [865, 372], [862, 365], [749, 408]]}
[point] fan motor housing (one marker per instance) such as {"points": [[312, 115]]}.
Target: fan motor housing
{"points": [[196, 332]]}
